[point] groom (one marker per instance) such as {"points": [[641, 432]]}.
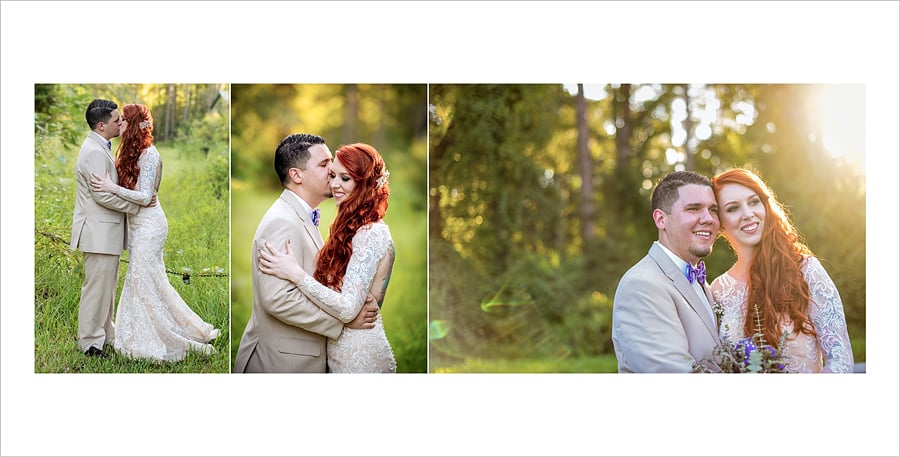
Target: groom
{"points": [[287, 332], [662, 315], [99, 229]]}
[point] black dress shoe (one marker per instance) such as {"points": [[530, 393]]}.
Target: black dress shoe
{"points": [[94, 352]]}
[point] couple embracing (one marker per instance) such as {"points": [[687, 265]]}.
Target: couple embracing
{"points": [[668, 319], [116, 207], [329, 320]]}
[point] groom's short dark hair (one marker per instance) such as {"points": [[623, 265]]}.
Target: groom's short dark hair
{"points": [[666, 191], [99, 111], [293, 152]]}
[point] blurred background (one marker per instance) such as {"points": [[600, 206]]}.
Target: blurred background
{"points": [[393, 119], [540, 201], [190, 129]]}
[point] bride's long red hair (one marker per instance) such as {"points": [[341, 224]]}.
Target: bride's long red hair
{"points": [[366, 204], [776, 280], [134, 141]]}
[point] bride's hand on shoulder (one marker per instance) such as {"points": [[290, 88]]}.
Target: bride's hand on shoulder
{"points": [[280, 265], [103, 184]]}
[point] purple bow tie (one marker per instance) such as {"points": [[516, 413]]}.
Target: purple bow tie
{"points": [[698, 274], [109, 145], [315, 217]]}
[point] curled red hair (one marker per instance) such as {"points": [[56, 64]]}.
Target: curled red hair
{"points": [[134, 141], [366, 204], [776, 280]]}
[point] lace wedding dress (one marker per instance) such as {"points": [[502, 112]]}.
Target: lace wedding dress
{"points": [[152, 320], [828, 352], [369, 270]]}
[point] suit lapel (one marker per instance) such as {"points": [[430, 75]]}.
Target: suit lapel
{"points": [[709, 297], [311, 230], [101, 143], [684, 287]]}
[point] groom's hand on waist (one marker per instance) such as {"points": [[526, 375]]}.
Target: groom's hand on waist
{"points": [[152, 201], [367, 315]]}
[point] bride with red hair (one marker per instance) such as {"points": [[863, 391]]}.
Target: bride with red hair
{"points": [[355, 262], [152, 320], [777, 286]]}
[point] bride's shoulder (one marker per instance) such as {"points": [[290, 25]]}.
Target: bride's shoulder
{"points": [[723, 280], [378, 229], [150, 152], [810, 265], [379, 225]]}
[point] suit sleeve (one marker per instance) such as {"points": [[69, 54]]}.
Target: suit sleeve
{"points": [[648, 330], [282, 299], [99, 165]]}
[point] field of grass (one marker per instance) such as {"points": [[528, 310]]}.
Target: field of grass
{"points": [[599, 364], [197, 243]]}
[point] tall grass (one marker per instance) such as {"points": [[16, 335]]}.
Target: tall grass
{"points": [[594, 364], [197, 241]]}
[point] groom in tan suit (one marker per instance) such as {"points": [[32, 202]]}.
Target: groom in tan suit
{"points": [[99, 228], [287, 332], [662, 314]]}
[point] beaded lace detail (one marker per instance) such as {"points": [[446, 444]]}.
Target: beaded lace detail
{"points": [[152, 320], [830, 352], [359, 351]]}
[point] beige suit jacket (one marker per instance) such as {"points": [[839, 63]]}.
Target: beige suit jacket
{"points": [[660, 324], [286, 332], [98, 222]]}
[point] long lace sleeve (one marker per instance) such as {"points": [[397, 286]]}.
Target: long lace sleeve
{"points": [[827, 314], [370, 245], [146, 183]]}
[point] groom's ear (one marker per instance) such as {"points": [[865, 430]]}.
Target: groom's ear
{"points": [[295, 176], [659, 218]]}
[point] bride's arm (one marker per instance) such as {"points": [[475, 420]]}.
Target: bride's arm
{"points": [[144, 190], [826, 311], [369, 247]]}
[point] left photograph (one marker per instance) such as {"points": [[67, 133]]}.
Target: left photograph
{"points": [[131, 243]]}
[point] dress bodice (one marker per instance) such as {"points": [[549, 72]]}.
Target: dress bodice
{"points": [[372, 256], [150, 165], [828, 351], [368, 272]]}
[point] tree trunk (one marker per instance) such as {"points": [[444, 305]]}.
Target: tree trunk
{"points": [[351, 114], [587, 168], [623, 127], [689, 149], [169, 124]]}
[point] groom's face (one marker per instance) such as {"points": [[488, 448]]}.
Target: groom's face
{"points": [[113, 126], [315, 177], [690, 228]]}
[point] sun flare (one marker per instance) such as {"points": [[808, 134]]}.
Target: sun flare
{"points": [[843, 121]]}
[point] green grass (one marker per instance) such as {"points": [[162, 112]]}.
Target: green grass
{"points": [[598, 364], [198, 240], [405, 306]]}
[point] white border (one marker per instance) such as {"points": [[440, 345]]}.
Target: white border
{"points": [[448, 42]]}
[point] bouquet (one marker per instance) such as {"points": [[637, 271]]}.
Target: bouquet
{"points": [[748, 355]]}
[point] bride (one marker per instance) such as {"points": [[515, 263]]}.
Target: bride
{"points": [[152, 320], [356, 261], [778, 274]]}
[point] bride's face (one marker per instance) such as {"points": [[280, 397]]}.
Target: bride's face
{"points": [[742, 214], [342, 184]]}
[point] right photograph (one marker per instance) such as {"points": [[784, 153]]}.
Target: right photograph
{"points": [[647, 228]]}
